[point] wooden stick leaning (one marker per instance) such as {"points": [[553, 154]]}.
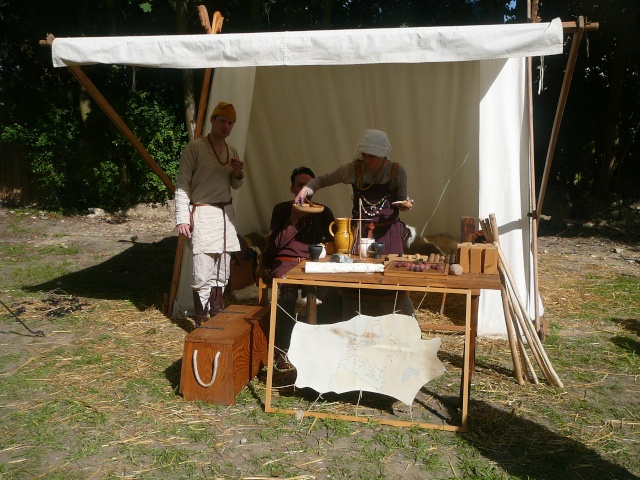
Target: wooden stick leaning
{"points": [[522, 316], [529, 335], [512, 319], [518, 354], [529, 372], [511, 335], [486, 231], [532, 336], [490, 230]]}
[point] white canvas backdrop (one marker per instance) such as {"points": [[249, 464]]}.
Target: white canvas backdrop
{"points": [[459, 128]]}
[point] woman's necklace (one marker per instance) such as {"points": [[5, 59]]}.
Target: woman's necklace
{"points": [[216, 153], [360, 174], [371, 209]]}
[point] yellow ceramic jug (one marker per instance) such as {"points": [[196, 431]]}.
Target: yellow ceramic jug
{"points": [[343, 235]]}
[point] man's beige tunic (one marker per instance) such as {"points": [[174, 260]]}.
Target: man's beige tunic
{"points": [[202, 179]]}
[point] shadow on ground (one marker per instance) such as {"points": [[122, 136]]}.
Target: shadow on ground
{"points": [[141, 274], [526, 449], [574, 214]]}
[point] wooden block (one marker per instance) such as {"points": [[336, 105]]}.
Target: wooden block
{"points": [[464, 256], [475, 259], [467, 228], [490, 260], [223, 355]]}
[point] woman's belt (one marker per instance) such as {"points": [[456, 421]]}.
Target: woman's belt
{"points": [[371, 226]]}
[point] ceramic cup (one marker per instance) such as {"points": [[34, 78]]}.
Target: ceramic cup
{"points": [[378, 248], [314, 252], [365, 243]]}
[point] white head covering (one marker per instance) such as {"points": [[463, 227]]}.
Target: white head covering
{"points": [[373, 142]]}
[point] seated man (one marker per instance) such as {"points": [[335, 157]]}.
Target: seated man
{"points": [[290, 234]]}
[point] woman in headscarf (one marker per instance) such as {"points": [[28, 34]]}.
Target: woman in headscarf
{"points": [[379, 192]]}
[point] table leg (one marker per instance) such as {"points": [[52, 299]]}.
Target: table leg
{"points": [[473, 327], [312, 305]]}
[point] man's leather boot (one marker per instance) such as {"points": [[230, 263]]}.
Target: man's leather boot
{"points": [[201, 315], [215, 301]]}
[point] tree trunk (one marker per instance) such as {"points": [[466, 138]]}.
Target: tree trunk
{"points": [[326, 14], [610, 131], [84, 103], [84, 99], [187, 75], [254, 14]]}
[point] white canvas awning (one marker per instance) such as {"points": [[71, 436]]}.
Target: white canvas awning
{"points": [[326, 47]]}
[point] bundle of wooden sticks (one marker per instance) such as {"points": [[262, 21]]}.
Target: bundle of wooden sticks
{"points": [[519, 323]]}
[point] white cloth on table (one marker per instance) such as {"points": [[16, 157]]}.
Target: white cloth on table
{"points": [[332, 267]]}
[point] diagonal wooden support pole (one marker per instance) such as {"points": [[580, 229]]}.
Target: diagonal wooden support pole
{"points": [[120, 124]]}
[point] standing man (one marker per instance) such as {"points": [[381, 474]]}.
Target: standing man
{"points": [[209, 169]]}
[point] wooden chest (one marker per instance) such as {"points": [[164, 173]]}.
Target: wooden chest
{"points": [[222, 356]]}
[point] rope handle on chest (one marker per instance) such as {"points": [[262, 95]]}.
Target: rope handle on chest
{"points": [[197, 375]]}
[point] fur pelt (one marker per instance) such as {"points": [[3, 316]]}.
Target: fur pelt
{"points": [[443, 244]]}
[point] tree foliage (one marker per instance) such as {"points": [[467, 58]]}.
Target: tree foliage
{"points": [[597, 149], [79, 159]]}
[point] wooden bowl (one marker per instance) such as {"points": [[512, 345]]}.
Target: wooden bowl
{"points": [[309, 207]]}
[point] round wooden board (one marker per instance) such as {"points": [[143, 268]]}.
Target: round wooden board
{"points": [[309, 207]]}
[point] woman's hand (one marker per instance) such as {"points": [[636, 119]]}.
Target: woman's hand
{"points": [[301, 198], [403, 205]]}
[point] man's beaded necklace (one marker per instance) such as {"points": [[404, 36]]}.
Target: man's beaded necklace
{"points": [[216, 153]]}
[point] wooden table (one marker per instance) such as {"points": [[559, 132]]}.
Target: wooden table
{"points": [[465, 284]]}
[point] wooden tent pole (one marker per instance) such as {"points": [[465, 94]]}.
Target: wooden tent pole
{"points": [[120, 124], [541, 329], [574, 26], [533, 11], [211, 29], [564, 92], [577, 28]]}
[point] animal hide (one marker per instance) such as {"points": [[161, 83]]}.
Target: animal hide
{"points": [[443, 244]]}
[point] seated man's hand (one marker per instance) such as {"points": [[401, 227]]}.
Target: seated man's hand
{"points": [[296, 214]]}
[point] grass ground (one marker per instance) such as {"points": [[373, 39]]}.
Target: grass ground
{"points": [[96, 396]]}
